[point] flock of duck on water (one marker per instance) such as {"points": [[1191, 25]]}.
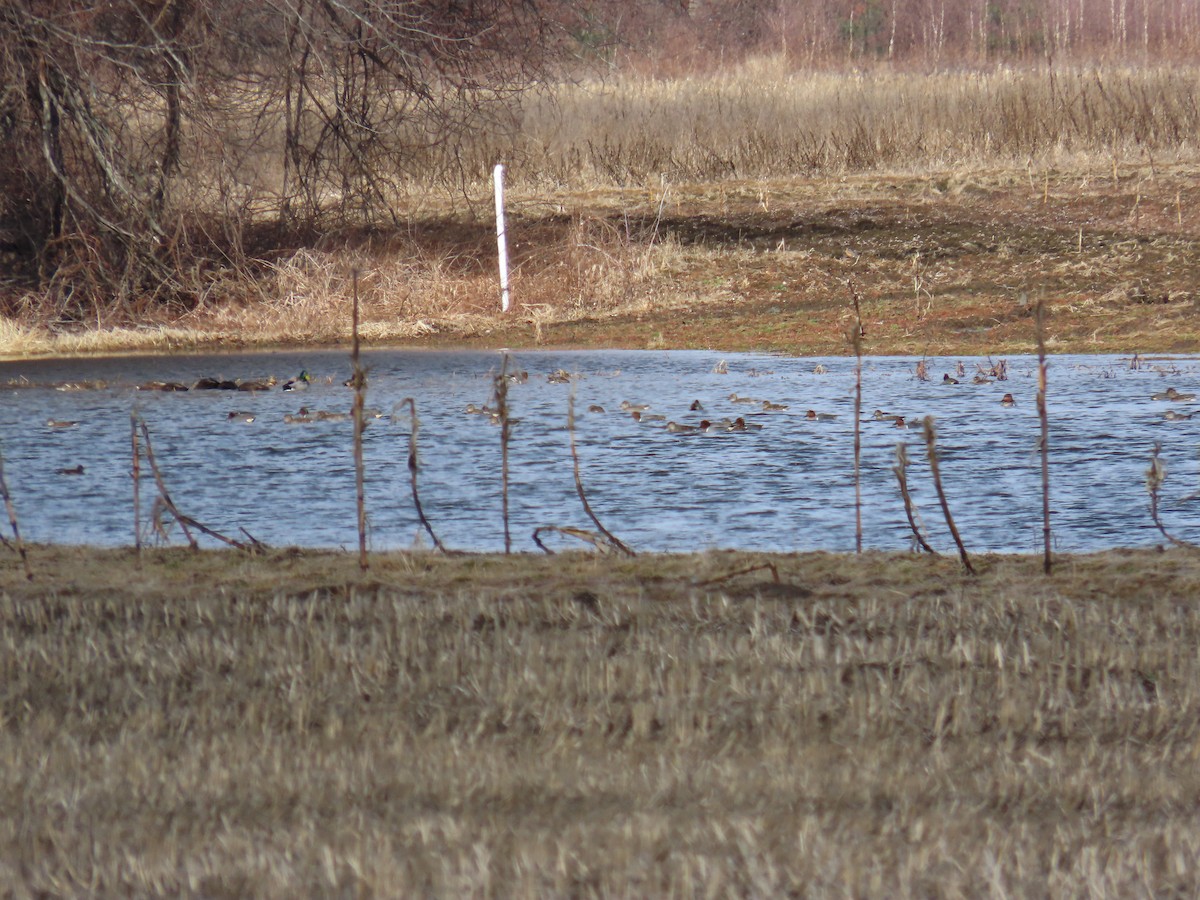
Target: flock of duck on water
{"points": [[639, 412]]}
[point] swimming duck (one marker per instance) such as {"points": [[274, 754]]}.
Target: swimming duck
{"points": [[162, 386], [901, 422], [946, 379], [981, 379], [300, 418], [879, 414], [78, 470], [299, 383], [1008, 401], [768, 406], [261, 384], [734, 398], [740, 424], [822, 417], [634, 407], [559, 376], [474, 410], [60, 423], [240, 415], [1172, 416], [595, 408], [696, 406], [324, 415], [639, 416], [676, 428], [215, 384], [1172, 394]]}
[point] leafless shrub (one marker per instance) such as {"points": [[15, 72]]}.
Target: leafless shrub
{"points": [[930, 432], [414, 426], [900, 469], [587, 507], [1156, 474]]}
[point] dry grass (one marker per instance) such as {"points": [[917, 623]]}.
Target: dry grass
{"points": [[727, 210], [219, 725]]}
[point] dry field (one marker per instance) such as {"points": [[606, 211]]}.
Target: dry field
{"points": [[216, 724], [738, 210]]}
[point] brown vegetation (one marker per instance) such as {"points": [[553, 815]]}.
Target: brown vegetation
{"points": [[217, 724], [730, 212]]}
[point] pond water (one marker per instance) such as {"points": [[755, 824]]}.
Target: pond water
{"points": [[786, 486]]}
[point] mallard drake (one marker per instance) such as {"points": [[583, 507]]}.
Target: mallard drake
{"points": [[1172, 394], [768, 406], [299, 383], [162, 386], [241, 415], [815, 416], [1008, 401]]}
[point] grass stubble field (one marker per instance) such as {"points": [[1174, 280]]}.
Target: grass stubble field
{"points": [[221, 724]]}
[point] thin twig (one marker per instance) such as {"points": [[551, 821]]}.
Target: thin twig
{"points": [[186, 522], [598, 541], [1155, 476], [587, 507], [1040, 320], [857, 340], [359, 378], [901, 471], [501, 384], [136, 472], [770, 566], [931, 449], [12, 519], [412, 468]]}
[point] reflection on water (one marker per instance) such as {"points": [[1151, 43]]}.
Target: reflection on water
{"points": [[786, 486]]}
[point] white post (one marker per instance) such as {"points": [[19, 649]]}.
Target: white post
{"points": [[501, 237]]}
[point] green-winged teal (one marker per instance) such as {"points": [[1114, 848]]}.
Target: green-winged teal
{"points": [[1008, 401], [1172, 394]]}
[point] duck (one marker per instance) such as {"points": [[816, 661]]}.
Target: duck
{"points": [[1008, 401], [1172, 394], [261, 384], [981, 379], [474, 410], [740, 424], [77, 470], [595, 408], [734, 398], [902, 422], [162, 386], [241, 415], [300, 418], [634, 407], [299, 383], [324, 415], [559, 376], [768, 406], [946, 379], [880, 415], [639, 416], [696, 406], [676, 428], [215, 384], [60, 423], [1172, 416], [815, 416]]}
